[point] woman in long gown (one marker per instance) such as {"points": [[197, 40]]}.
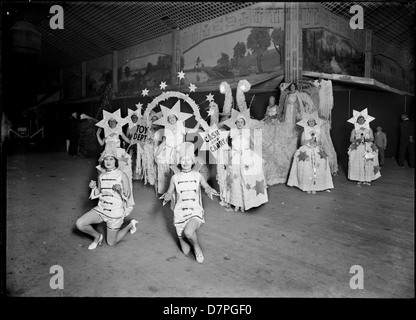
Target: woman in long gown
{"points": [[246, 181], [363, 165], [310, 169]]}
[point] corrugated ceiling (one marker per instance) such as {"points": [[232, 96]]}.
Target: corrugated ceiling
{"points": [[94, 29]]}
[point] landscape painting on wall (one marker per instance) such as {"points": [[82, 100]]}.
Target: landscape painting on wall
{"points": [[97, 81], [145, 72], [326, 52], [248, 53]]}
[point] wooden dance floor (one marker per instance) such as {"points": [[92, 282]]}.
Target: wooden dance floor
{"points": [[297, 245]]}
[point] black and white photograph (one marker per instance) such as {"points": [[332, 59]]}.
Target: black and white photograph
{"points": [[216, 150]]}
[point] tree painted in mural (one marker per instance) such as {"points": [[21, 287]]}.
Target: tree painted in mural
{"points": [[278, 38], [240, 50], [148, 74], [258, 41], [329, 53], [244, 53]]}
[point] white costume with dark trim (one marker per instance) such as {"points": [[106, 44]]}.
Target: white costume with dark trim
{"points": [[111, 204], [188, 202]]}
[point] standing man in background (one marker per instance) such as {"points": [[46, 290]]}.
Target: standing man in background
{"points": [[407, 142], [380, 139]]}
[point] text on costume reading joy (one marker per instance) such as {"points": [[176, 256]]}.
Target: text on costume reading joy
{"points": [[235, 309]]}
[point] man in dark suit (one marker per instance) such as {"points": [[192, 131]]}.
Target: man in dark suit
{"points": [[407, 143]]}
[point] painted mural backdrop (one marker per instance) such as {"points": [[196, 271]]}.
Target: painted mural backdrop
{"points": [[388, 64], [98, 75], [326, 52], [246, 53], [145, 72]]}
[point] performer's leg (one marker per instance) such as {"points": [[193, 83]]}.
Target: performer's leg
{"points": [[185, 247], [190, 234], [115, 235], [84, 223]]}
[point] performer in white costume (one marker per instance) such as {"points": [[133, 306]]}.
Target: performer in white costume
{"points": [[112, 190], [112, 124], [363, 163], [185, 192], [310, 169]]}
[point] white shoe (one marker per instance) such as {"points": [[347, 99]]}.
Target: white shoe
{"points": [[199, 257], [94, 244], [133, 229]]}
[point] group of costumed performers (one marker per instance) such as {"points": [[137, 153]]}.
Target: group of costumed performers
{"points": [[249, 154], [363, 165], [240, 167], [280, 130]]}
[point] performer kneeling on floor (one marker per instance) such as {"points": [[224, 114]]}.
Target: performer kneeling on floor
{"points": [[185, 192], [113, 190]]}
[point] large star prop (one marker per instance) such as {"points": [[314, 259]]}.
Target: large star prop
{"points": [[367, 117], [237, 115], [116, 115], [214, 139], [192, 87], [176, 110], [145, 92]]}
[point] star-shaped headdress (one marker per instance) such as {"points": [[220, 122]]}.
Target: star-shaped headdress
{"points": [[356, 114], [308, 116], [176, 111], [235, 115], [137, 112], [116, 115], [308, 130]]}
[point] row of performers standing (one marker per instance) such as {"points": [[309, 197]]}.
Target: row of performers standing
{"points": [[240, 177]]}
